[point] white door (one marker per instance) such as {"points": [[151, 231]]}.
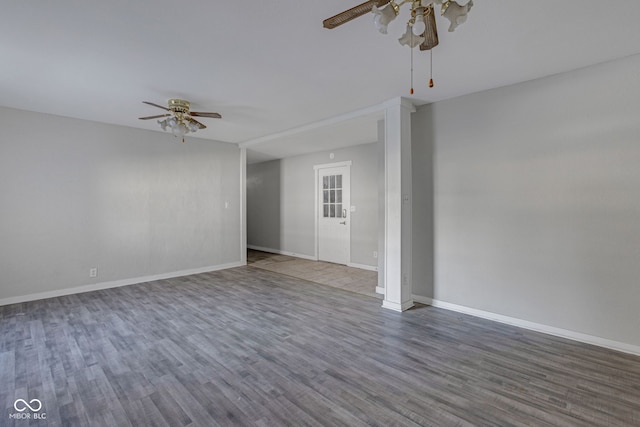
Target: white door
{"points": [[334, 214]]}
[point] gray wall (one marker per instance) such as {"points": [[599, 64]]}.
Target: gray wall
{"points": [[280, 202], [133, 203], [382, 196], [537, 200], [422, 202]]}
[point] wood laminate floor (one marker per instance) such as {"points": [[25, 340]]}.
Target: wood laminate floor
{"points": [[350, 279], [250, 347]]}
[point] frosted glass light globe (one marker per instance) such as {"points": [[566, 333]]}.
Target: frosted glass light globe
{"points": [[179, 129]]}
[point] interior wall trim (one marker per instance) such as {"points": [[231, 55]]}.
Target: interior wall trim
{"points": [[397, 306], [362, 266], [538, 327], [114, 284], [279, 252]]}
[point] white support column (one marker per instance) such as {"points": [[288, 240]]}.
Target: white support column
{"points": [[397, 221], [382, 191], [243, 206]]}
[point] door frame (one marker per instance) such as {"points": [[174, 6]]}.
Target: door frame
{"points": [[316, 215]]}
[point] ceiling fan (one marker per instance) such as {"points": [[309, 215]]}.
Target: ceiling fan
{"points": [[421, 27], [180, 119]]}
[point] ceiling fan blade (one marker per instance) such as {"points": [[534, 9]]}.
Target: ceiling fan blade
{"points": [[200, 125], [210, 115], [156, 105], [430, 31], [352, 13], [154, 117]]}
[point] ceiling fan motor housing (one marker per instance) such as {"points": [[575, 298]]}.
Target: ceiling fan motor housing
{"points": [[179, 106]]}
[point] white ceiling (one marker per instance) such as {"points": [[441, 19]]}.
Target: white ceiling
{"points": [[270, 68]]}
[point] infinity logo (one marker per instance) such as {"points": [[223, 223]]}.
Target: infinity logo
{"points": [[27, 405]]}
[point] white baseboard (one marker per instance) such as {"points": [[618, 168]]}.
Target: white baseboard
{"points": [[279, 252], [114, 284], [397, 307], [551, 330], [362, 266], [380, 290]]}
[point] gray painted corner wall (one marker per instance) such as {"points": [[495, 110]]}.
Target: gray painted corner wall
{"points": [[422, 206], [382, 197], [364, 196], [132, 203], [280, 202], [537, 200]]}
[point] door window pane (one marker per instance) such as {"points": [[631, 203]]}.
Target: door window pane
{"points": [[332, 196]]}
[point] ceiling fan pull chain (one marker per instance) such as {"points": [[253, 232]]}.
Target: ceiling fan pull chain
{"points": [[411, 49], [430, 67]]}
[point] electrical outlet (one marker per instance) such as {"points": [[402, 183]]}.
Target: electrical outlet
{"points": [[93, 272], [375, 254]]}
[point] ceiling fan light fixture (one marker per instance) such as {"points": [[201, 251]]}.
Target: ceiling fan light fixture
{"points": [[179, 129], [421, 27], [193, 126], [179, 117], [455, 13], [410, 39], [383, 16]]}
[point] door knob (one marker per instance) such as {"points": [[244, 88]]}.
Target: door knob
{"points": [[344, 223]]}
